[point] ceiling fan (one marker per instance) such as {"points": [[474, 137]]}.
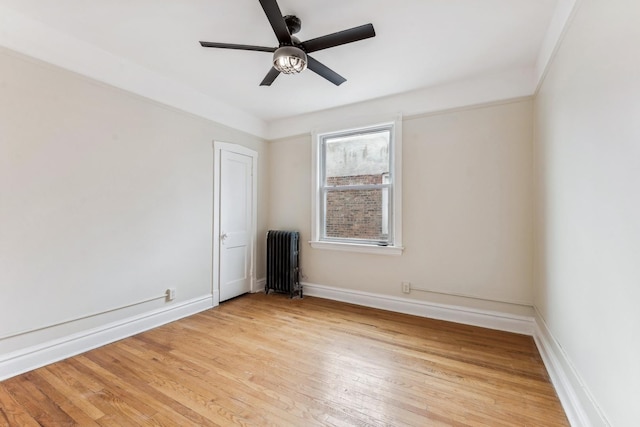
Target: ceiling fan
{"points": [[291, 55]]}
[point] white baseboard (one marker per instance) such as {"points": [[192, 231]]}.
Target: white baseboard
{"points": [[260, 284], [25, 360], [458, 314], [577, 401]]}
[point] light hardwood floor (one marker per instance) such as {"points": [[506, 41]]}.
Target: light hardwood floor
{"points": [[269, 360]]}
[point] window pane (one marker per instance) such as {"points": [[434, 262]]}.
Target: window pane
{"points": [[357, 159], [357, 214]]}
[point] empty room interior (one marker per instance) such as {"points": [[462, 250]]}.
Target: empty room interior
{"points": [[462, 179]]}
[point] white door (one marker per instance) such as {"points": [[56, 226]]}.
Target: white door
{"points": [[236, 219]]}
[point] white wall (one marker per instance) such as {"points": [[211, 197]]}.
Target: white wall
{"points": [[467, 212], [105, 201], [588, 202]]}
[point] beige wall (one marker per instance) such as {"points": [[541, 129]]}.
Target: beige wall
{"points": [[106, 200], [587, 148], [467, 213]]}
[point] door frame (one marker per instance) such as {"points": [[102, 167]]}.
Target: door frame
{"points": [[218, 147]]}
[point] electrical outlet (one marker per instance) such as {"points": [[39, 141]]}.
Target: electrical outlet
{"points": [[406, 287], [171, 294]]}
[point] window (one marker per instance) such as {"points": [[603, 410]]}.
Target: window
{"points": [[357, 189]]}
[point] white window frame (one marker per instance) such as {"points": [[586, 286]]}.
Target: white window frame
{"points": [[316, 242]]}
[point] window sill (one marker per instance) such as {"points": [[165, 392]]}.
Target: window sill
{"points": [[355, 247]]}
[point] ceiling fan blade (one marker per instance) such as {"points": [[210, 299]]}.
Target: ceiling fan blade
{"points": [[341, 37], [270, 77], [324, 71], [238, 46], [272, 10]]}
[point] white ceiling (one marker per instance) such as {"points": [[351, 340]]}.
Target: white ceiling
{"points": [[419, 44]]}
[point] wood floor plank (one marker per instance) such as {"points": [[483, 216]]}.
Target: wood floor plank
{"points": [[67, 402], [39, 406], [269, 360], [75, 395], [234, 384], [11, 413], [195, 387]]}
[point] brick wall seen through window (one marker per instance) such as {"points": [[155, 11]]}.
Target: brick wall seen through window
{"points": [[355, 214]]}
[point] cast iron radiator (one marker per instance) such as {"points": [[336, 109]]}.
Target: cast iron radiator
{"points": [[283, 248]]}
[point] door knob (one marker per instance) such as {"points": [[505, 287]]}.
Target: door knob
{"points": [[223, 237]]}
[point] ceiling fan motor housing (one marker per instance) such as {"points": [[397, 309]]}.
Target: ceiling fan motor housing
{"points": [[293, 23]]}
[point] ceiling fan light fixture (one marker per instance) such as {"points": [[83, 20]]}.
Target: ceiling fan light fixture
{"points": [[290, 60]]}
